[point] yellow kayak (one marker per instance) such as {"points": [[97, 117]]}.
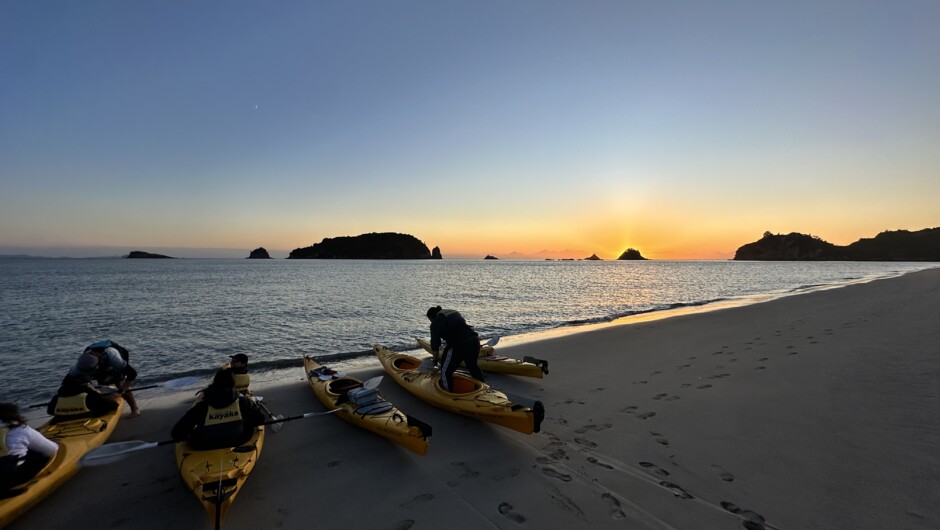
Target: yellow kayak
{"points": [[216, 476], [490, 362], [471, 397], [379, 416], [75, 438]]}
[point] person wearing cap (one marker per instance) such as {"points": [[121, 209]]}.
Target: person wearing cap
{"points": [[24, 452], [107, 362], [463, 344], [221, 418], [239, 366]]}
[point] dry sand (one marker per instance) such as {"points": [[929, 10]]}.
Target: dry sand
{"points": [[814, 411]]}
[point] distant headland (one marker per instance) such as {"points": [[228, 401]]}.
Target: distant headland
{"points": [[137, 254], [899, 245], [388, 245]]}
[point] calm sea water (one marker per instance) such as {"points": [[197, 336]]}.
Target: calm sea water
{"points": [[185, 317]]}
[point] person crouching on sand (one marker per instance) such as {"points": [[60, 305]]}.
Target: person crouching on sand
{"points": [[463, 344], [23, 450], [222, 418], [108, 363]]}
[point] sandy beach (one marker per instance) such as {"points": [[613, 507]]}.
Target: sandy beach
{"points": [[812, 411]]}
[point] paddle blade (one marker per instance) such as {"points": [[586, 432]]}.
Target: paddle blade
{"points": [[373, 383], [276, 427], [109, 453], [492, 342]]}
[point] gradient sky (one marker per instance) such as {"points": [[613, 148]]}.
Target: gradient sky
{"points": [[519, 129]]}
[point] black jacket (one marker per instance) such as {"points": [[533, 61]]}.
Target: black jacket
{"points": [[192, 425]]}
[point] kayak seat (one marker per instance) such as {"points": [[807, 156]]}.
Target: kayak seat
{"points": [[406, 363], [463, 385], [342, 386]]}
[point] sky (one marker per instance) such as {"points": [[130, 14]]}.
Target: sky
{"points": [[523, 129]]}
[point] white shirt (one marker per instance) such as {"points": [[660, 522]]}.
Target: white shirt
{"points": [[24, 438]]}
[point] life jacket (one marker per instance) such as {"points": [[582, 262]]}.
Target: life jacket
{"points": [[71, 405], [4, 451], [241, 382], [455, 328], [219, 416]]}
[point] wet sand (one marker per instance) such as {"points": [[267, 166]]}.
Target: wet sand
{"points": [[812, 411]]}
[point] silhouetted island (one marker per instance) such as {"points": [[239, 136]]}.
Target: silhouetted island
{"points": [[436, 253], [259, 253], [147, 255], [899, 245], [593, 257], [490, 256], [388, 245], [631, 254]]}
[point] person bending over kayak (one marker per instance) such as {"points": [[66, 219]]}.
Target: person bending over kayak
{"points": [[222, 418], [239, 366], [107, 363], [23, 450], [76, 400], [463, 344]]}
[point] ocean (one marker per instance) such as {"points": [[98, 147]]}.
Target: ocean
{"points": [[188, 316]]}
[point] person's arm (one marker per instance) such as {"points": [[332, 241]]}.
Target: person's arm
{"points": [[251, 412], [437, 326], [38, 443], [99, 405], [188, 423]]}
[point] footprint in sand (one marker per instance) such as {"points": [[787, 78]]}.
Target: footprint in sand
{"points": [[676, 490], [598, 389], [467, 474], [555, 474], [630, 409], [514, 472], [685, 385], [592, 427], [727, 477], [585, 442], [794, 353], [653, 468], [645, 415], [506, 509], [761, 368], [762, 359], [616, 509], [702, 387], [657, 372], [755, 519], [718, 376], [660, 439], [640, 382], [733, 360], [597, 462], [424, 497], [660, 396], [404, 525], [334, 463], [682, 366]]}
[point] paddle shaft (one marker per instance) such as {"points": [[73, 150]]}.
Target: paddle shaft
{"points": [[146, 387]]}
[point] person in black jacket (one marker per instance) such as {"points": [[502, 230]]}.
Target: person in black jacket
{"points": [[463, 344], [76, 400], [222, 418]]}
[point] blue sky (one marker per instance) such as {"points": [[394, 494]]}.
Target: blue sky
{"points": [[529, 129]]}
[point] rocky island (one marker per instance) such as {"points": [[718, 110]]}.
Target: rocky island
{"points": [[387, 245], [631, 254], [137, 254], [898, 245], [259, 253], [593, 257]]}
